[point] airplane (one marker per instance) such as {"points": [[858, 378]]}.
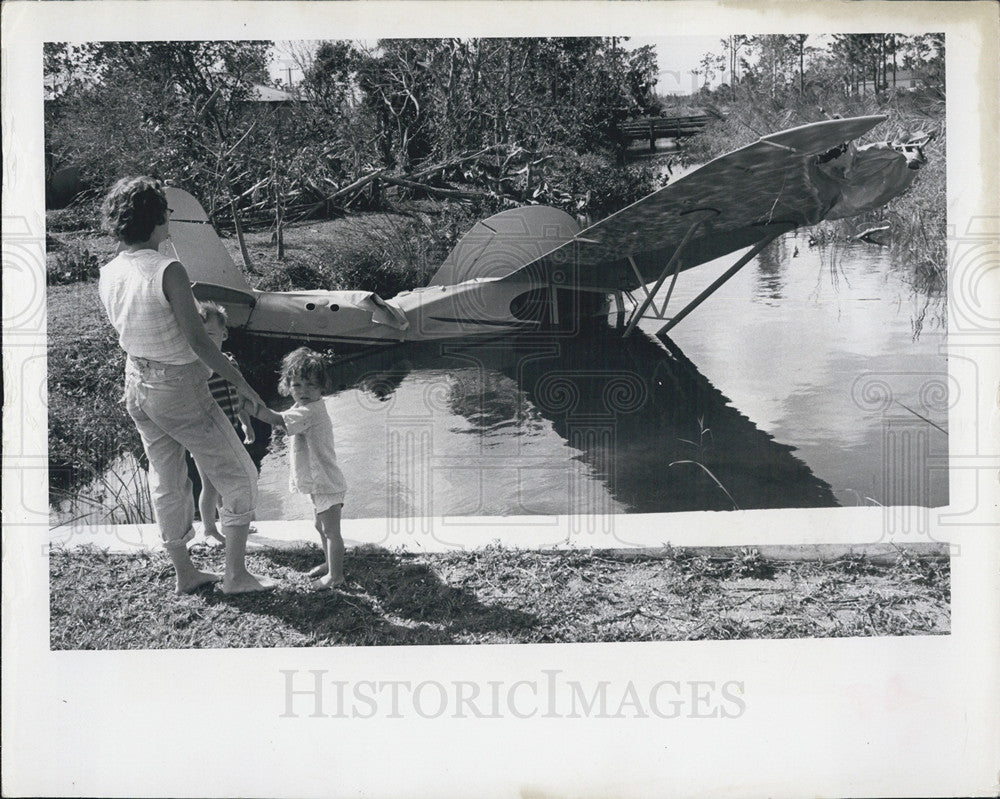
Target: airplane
{"points": [[532, 267]]}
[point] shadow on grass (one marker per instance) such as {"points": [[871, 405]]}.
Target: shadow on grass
{"points": [[388, 600]]}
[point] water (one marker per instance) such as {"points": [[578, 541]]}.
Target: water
{"points": [[815, 377]]}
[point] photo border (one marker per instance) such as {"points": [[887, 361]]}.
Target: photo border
{"points": [[902, 716]]}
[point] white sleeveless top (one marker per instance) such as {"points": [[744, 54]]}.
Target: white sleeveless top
{"points": [[131, 288]]}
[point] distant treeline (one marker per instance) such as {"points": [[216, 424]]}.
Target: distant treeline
{"points": [[851, 65]]}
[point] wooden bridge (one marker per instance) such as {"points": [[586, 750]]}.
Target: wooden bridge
{"points": [[653, 128]]}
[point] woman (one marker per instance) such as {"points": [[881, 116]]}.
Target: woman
{"points": [[169, 358]]}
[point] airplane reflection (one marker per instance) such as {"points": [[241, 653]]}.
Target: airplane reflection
{"points": [[648, 425]]}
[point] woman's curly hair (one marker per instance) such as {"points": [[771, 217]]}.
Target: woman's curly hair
{"points": [[304, 364], [132, 208]]}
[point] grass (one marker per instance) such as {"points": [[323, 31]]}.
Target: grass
{"points": [[494, 595], [119, 495]]}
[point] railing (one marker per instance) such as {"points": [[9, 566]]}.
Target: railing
{"points": [[653, 128]]}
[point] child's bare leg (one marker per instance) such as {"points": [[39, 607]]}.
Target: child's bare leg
{"points": [[333, 547], [322, 568], [208, 503], [237, 579]]}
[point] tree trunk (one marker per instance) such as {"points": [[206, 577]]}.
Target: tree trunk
{"points": [[894, 61], [279, 224], [802, 89], [239, 231]]}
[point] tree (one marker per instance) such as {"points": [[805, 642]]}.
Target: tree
{"points": [[799, 41], [709, 66], [774, 67], [186, 111], [161, 107], [733, 45]]}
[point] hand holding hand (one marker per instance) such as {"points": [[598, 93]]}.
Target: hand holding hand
{"points": [[251, 398]]}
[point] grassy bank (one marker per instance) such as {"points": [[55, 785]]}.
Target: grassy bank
{"points": [[494, 595]]}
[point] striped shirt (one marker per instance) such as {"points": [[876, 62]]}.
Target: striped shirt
{"points": [[131, 289], [224, 393]]}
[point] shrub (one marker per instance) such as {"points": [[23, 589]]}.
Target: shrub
{"points": [[593, 185], [383, 254], [82, 215], [292, 276], [70, 263], [609, 187]]}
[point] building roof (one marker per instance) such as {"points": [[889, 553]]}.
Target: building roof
{"points": [[266, 94]]}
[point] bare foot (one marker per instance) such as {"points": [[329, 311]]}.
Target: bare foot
{"points": [[247, 584], [318, 571], [194, 580], [213, 536], [327, 583]]}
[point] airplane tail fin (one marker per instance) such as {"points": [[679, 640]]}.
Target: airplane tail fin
{"points": [[194, 242]]}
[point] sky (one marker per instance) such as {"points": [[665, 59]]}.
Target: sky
{"points": [[676, 56]]}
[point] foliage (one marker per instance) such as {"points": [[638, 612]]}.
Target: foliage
{"points": [[170, 109], [71, 263], [434, 98], [775, 67], [183, 111], [385, 254], [82, 215]]}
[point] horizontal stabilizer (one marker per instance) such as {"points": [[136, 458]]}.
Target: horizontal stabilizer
{"points": [[502, 244]]}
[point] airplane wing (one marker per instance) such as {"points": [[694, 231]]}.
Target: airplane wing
{"points": [[787, 179]]}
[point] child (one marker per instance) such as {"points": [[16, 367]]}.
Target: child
{"points": [[148, 299], [314, 469], [215, 320]]}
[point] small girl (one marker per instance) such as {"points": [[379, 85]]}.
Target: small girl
{"points": [[314, 469]]}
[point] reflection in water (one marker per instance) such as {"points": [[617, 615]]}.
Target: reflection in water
{"points": [[590, 424], [850, 318], [771, 263], [637, 409]]}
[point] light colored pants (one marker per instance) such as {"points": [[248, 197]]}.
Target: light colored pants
{"points": [[173, 412]]}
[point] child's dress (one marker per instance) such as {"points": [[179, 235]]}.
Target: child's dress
{"points": [[314, 468]]}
